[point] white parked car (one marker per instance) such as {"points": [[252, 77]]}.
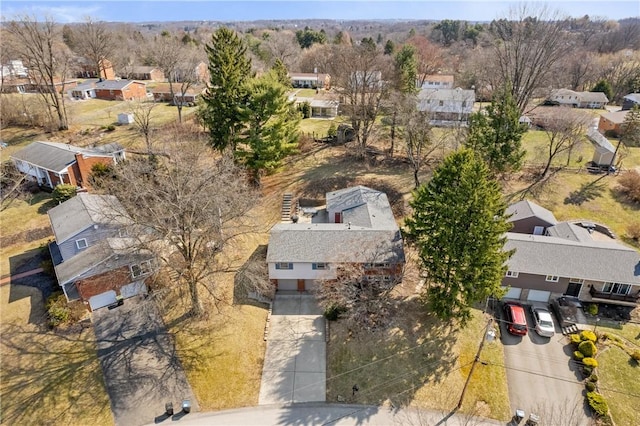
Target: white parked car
{"points": [[543, 321]]}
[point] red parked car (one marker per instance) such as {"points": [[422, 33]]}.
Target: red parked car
{"points": [[516, 319]]}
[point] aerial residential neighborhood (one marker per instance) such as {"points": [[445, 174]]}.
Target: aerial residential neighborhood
{"points": [[281, 213]]}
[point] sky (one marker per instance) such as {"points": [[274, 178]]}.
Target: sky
{"points": [[241, 10]]}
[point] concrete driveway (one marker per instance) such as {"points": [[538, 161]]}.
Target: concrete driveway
{"points": [[295, 360], [139, 363], [542, 376]]}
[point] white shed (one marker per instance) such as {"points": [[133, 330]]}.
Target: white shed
{"points": [[125, 118]]}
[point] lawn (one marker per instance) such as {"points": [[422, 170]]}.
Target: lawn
{"points": [[618, 382], [47, 377]]}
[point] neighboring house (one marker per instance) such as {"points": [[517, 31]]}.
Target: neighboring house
{"points": [[188, 72], [579, 99], [446, 106], [51, 163], [146, 73], [357, 227], [94, 261], [604, 152], [84, 90], [162, 93], [320, 108], [529, 218], [365, 80], [434, 81], [574, 259], [612, 122], [120, 90], [631, 100], [310, 80], [87, 69], [14, 69]]}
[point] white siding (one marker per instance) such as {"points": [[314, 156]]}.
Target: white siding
{"points": [[301, 271]]}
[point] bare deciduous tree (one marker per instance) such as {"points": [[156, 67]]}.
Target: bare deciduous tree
{"points": [[185, 208], [94, 41], [284, 46], [429, 56], [142, 118], [40, 47], [527, 45]]}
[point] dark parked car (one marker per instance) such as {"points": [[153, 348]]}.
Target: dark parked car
{"points": [[516, 319]]}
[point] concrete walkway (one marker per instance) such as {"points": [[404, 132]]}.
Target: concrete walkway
{"points": [[295, 365], [9, 279]]}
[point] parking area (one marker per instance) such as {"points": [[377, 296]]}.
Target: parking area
{"points": [[542, 376], [139, 362]]}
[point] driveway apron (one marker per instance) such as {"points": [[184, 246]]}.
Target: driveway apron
{"points": [[295, 361], [139, 363]]}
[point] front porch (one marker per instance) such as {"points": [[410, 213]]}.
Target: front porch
{"points": [[597, 296]]}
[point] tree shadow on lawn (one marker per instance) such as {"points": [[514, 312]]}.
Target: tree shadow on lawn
{"points": [[587, 192], [391, 363], [49, 375]]}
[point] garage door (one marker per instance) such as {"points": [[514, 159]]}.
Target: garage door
{"points": [[310, 285], [133, 289], [287, 284], [103, 299], [538, 296], [513, 293]]}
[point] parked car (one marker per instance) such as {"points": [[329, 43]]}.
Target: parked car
{"points": [[543, 321], [516, 319]]}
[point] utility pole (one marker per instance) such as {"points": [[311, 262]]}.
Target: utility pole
{"points": [[475, 361]]}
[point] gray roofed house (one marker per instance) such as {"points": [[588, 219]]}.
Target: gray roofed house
{"points": [[356, 227], [631, 100], [52, 163], [445, 106], [528, 217], [569, 231]]}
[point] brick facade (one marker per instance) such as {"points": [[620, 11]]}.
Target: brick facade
{"points": [[79, 173], [135, 90]]}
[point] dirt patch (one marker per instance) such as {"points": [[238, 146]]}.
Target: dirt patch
{"points": [[26, 236]]}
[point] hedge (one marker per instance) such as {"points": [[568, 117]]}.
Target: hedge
{"points": [[588, 348], [588, 335], [579, 356], [590, 362], [597, 403]]}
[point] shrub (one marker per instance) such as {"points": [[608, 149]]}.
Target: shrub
{"points": [[575, 338], [590, 362], [636, 355], [64, 192], [111, 128], [593, 309], [590, 386], [629, 185], [579, 356], [597, 403], [332, 132], [332, 313], [588, 348], [593, 378], [57, 309], [633, 231], [588, 334], [587, 370]]}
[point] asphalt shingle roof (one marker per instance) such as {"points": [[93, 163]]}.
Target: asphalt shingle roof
{"points": [[544, 255], [597, 138], [56, 156], [362, 206], [525, 209], [113, 84], [569, 231], [635, 97]]}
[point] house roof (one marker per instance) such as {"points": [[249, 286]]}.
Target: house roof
{"points": [[593, 97], [437, 77], [453, 98], [56, 156], [525, 209], [164, 88], [81, 212], [333, 242], [307, 75], [87, 84], [109, 254], [569, 231], [616, 117], [362, 206], [317, 103], [599, 140], [115, 84], [634, 97], [599, 261]]}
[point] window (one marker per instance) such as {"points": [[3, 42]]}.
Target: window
{"points": [[82, 243], [616, 288], [284, 265], [512, 274], [441, 103], [576, 280], [377, 265], [552, 278], [141, 268], [123, 232], [320, 266]]}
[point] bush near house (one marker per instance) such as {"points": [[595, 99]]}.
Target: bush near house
{"points": [[629, 185], [588, 348], [590, 386], [579, 356], [593, 309], [64, 192], [588, 334], [590, 362], [57, 310], [598, 403], [575, 339]]}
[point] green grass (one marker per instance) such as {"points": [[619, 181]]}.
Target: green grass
{"points": [[631, 332], [619, 383], [305, 93], [535, 143]]}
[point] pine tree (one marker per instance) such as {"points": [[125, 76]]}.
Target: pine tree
{"points": [[406, 67], [272, 126], [229, 68], [458, 227], [605, 87], [281, 72], [631, 127], [496, 133]]}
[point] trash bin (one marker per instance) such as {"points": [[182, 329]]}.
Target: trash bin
{"points": [[168, 408], [186, 406], [519, 416]]}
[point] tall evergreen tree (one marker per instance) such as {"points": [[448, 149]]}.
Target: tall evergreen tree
{"points": [[496, 133], [281, 73], [406, 67], [271, 131], [605, 87], [458, 227], [229, 68]]}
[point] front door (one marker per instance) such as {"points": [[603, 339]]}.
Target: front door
{"points": [[300, 285], [573, 289]]}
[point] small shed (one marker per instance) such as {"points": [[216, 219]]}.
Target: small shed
{"points": [[604, 150], [525, 120], [125, 118]]}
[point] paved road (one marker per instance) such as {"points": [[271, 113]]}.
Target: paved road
{"points": [[328, 414], [295, 365], [542, 377], [139, 363]]}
